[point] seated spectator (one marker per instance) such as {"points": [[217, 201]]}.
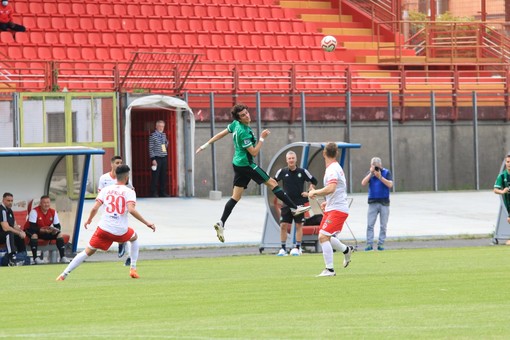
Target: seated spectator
{"points": [[6, 23], [43, 223], [10, 233]]}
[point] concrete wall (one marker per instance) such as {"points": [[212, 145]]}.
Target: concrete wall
{"points": [[412, 144]]}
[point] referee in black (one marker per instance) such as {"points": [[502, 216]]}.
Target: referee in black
{"points": [[158, 152], [10, 233], [293, 178]]}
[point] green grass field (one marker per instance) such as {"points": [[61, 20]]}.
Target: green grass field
{"points": [[422, 293]]}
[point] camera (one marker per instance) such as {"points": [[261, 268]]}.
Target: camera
{"points": [[377, 168]]}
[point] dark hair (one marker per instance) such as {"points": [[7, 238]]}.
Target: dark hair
{"points": [[8, 194], [44, 196], [236, 109], [122, 169], [331, 150], [114, 158]]}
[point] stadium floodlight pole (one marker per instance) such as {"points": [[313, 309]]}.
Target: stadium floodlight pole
{"points": [[213, 147]]}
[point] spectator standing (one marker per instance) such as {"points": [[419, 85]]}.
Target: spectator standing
{"points": [[158, 152], [336, 210], [43, 223], [6, 23], [246, 148], [293, 179], [502, 186], [118, 201], [10, 232], [379, 182]]}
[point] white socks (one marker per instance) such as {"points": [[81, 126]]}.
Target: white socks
{"points": [[337, 245], [78, 259], [327, 253], [135, 248]]}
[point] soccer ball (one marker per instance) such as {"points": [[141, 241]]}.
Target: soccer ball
{"points": [[328, 43]]}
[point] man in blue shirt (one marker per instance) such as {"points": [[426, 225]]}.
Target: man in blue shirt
{"points": [[379, 182]]}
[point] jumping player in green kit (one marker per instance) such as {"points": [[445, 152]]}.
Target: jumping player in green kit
{"points": [[245, 169]]}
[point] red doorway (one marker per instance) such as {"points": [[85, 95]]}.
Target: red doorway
{"points": [[143, 121]]}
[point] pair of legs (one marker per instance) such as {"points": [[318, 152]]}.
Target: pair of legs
{"points": [[383, 211], [103, 240], [242, 177], [35, 235], [15, 244], [332, 224], [159, 175], [286, 220]]}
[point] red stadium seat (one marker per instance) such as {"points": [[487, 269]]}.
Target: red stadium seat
{"points": [[187, 11], [29, 22], [218, 40], [122, 38], [45, 53], [65, 8], [106, 9], [155, 25], [177, 39], [147, 10], [270, 40], [149, 39], [15, 52], [283, 40], [226, 11], [21, 7], [50, 8], [94, 38], [133, 10], [261, 26], [231, 40], [209, 25], [36, 37], [79, 8], [141, 25], [295, 40], [86, 23], [257, 40], [72, 23], [128, 24], [136, 39], [248, 25], [21, 37], [214, 12], [92, 8], [80, 38], [117, 54], [244, 39], [234, 26], [160, 10], [252, 12], [100, 23], [6, 38], [205, 39], [120, 10], [88, 53], [273, 26], [59, 52], [201, 11], [43, 23], [222, 25], [58, 22], [195, 25], [102, 53], [51, 37], [240, 12], [73, 53], [168, 25], [115, 23], [36, 8], [190, 39], [108, 38], [266, 12], [163, 39], [66, 37]]}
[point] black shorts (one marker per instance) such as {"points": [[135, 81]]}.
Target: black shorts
{"points": [[287, 217], [243, 175], [41, 236]]}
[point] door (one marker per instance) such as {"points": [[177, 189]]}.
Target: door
{"points": [[143, 122]]}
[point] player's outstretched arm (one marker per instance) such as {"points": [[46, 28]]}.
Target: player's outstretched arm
{"points": [[132, 210], [215, 138]]}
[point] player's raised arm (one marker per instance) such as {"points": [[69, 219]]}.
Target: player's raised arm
{"points": [[215, 138]]}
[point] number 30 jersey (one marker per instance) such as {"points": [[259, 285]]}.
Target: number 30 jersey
{"points": [[115, 199]]}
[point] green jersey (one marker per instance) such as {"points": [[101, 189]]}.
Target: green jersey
{"points": [[502, 182], [243, 138]]}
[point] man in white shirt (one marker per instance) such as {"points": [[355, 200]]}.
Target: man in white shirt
{"points": [[336, 210], [117, 200]]}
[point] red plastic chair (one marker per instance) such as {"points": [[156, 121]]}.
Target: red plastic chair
{"points": [[73, 53], [163, 39], [168, 25], [92, 8], [265, 12], [187, 11], [147, 10], [177, 39], [114, 23], [50, 8], [88, 53], [252, 12], [221, 25], [261, 26], [295, 40], [122, 38], [128, 24], [64, 8], [66, 38], [108, 38], [269, 40], [21, 7], [202, 11], [79, 8], [102, 53], [239, 12], [94, 38], [190, 39], [120, 10], [59, 53], [86, 23], [208, 25], [155, 25], [141, 24], [257, 40], [45, 52], [36, 7], [29, 52], [106, 9], [226, 11], [80, 38], [72, 23], [136, 39], [100, 23], [21, 37], [14, 52], [231, 40], [51, 37], [36, 37], [58, 22], [7, 38], [214, 12], [149, 39], [44, 23], [218, 40], [117, 54], [160, 10], [133, 10], [235, 26], [195, 25], [205, 39], [29, 22]]}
